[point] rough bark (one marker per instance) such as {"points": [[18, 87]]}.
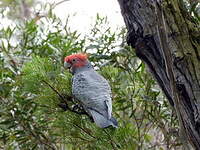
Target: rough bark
{"points": [[166, 39]]}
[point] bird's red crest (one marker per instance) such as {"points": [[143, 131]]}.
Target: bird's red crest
{"points": [[81, 56]]}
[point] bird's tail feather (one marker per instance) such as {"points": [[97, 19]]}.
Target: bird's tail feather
{"points": [[102, 121]]}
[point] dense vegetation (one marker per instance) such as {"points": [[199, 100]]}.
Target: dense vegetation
{"points": [[32, 77]]}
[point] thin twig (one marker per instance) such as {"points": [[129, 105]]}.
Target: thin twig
{"points": [[56, 4], [61, 97], [112, 142], [63, 100], [88, 133]]}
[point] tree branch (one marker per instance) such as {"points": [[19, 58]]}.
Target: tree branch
{"points": [[64, 105]]}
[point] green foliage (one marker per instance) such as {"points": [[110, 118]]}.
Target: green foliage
{"points": [[32, 56], [193, 7]]}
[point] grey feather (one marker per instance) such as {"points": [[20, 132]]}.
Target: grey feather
{"points": [[94, 93]]}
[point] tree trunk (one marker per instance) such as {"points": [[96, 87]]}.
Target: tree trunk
{"points": [[168, 41]]}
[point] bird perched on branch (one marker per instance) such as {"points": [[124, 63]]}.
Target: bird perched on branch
{"points": [[91, 90]]}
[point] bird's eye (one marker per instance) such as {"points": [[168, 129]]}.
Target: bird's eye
{"points": [[73, 60]]}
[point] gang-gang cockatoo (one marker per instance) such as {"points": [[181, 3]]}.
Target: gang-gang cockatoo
{"points": [[91, 90]]}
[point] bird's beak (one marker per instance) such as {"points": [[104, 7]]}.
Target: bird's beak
{"points": [[67, 65]]}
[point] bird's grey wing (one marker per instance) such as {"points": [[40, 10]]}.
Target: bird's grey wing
{"points": [[93, 91]]}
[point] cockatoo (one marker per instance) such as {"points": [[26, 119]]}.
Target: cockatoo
{"points": [[91, 89]]}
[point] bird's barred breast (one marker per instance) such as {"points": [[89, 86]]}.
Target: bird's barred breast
{"points": [[91, 88]]}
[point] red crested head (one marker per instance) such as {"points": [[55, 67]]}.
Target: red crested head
{"points": [[75, 61]]}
